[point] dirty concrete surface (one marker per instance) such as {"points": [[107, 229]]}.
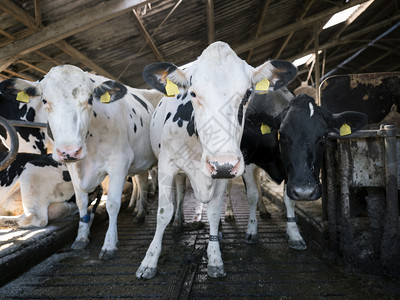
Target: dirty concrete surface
{"points": [[265, 270]]}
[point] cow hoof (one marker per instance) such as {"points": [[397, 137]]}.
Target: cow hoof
{"points": [[229, 218], [265, 215], [146, 273], [138, 220], [107, 254], [297, 244], [252, 238], [79, 245], [216, 271]]}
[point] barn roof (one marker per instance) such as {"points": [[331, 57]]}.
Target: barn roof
{"points": [[117, 38]]}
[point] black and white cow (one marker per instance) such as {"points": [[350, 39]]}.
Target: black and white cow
{"points": [[93, 138], [198, 132], [262, 151], [35, 189], [303, 127], [31, 140]]}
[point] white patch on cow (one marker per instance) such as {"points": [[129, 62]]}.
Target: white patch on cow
{"points": [[311, 109]]}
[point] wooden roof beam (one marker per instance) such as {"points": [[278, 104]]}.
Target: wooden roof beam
{"points": [[18, 13], [15, 74], [293, 27], [146, 35], [76, 54], [38, 12], [210, 21], [259, 25], [306, 9], [351, 19], [349, 37], [32, 66], [71, 25]]}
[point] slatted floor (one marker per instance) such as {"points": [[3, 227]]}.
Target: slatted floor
{"points": [[266, 270]]}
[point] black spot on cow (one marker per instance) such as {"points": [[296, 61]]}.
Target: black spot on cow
{"points": [[141, 102], [134, 128], [167, 117], [90, 101], [133, 110], [178, 96], [159, 145], [141, 122], [8, 175], [184, 96], [184, 113], [94, 114], [131, 116], [31, 91], [66, 176]]}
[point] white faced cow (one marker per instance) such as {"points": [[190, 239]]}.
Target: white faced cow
{"points": [[93, 138], [198, 132]]}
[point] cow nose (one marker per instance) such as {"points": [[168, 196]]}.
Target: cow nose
{"points": [[69, 153], [223, 166], [305, 192]]}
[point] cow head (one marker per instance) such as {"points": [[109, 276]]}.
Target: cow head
{"points": [[67, 95], [219, 85], [303, 127]]}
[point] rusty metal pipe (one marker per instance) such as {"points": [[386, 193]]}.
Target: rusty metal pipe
{"points": [[12, 153]]}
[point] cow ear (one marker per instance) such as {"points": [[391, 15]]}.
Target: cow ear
{"points": [[109, 91], [19, 89], [263, 122], [165, 77], [273, 73], [348, 121]]}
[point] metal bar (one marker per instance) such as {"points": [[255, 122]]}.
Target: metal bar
{"points": [[361, 50], [391, 224], [331, 184], [346, 238], [27, 124]]}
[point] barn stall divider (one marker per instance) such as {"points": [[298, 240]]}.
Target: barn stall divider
{"points": [[361, 176]]}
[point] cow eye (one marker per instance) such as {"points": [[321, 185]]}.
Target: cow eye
{"points": [[44, 101], [193, 94]]}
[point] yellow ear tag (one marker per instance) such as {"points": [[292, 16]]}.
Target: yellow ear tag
{"points": [[105, 98], [23, 97], [265, 129], [262, 85], [345, 129], [171, 88]]}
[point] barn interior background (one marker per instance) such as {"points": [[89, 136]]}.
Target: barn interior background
{"points": [[118, 38]]}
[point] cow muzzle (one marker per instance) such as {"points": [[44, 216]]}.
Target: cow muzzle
{"points": [[223, 166], [308, 192], [69, 153]]}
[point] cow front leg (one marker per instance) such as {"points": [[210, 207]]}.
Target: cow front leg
{"points": [[253, 194], [215, 267], [85, 220], [141, 202], [229, 216], [180, 183], [165, 211], [113, 204], [295, 239]]}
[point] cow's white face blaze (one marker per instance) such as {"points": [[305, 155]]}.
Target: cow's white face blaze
{"points": [[67, 99], [217, 94]]}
